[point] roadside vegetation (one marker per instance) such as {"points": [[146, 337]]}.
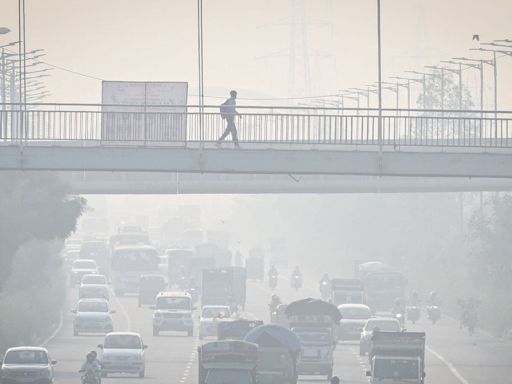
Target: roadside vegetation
{"points": [[36, 215]]}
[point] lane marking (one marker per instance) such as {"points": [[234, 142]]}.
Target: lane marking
{"points": [[450, 366], [124, 312], [56, 330]]}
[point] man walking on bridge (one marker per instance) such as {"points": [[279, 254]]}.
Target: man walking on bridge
{"points": [[228, 112]]}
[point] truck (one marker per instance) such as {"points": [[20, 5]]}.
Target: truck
{"points": [[397, 357], [314, 322], [383, 285], [347, 291], [278, 351], [224, 286], [227, 361]]}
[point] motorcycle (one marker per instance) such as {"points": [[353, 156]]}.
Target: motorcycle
{"points": [[296, 281], [400, 318], [470, 320], [89, 376], [434, 313], [325, 290], [272, 281], [413, 313]]}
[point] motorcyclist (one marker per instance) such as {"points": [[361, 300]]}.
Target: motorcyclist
{"points": [[398, 307], [272, 272], [275, 301], [414, 300], [296, 272], [433, 300], [325, 279], [91, 365]]}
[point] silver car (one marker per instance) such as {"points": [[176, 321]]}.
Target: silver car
{"points": [[93, 316], [383, 324], [94, 286], [123, 352], [27, 365]]}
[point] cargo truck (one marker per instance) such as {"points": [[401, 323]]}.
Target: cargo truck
{"points": [[226, 286]]}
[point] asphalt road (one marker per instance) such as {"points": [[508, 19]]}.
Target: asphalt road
{"points": [[453, 357]]}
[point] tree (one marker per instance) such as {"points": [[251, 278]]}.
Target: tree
{"points": [[34, 206]]}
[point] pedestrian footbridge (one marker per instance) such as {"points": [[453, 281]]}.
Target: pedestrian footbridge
{"points": [[274, 140]]}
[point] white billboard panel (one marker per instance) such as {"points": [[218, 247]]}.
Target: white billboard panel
{"points": [[144, 111]]}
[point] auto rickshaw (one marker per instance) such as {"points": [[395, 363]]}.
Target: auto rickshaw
{"points": [[149, 287]]}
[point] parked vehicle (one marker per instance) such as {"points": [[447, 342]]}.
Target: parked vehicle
{"points": [[354, 317], [81, 267], [92, 316], [149, 287], [314, 322], [173, 312], [210, 316], [379, 324], [94, 286], [398, 357], [27, 364], [123, 352], [129, 263], [227, 361]]}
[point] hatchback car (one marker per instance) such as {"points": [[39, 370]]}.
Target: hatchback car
{"points": [[210, 315], [82, 267], [27, 365], [123, 352], [94, 286], [353, 319], [382, 324], [92, 316]]}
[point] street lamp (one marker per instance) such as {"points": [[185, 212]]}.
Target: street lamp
{"points": [[475, 64], [493, 62]]}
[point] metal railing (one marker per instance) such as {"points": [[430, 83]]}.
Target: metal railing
{"points": [[163, 125]]}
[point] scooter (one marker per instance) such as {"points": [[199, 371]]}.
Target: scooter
{"points": [[89, 376], [296, 281], [434, 313], [413, 313], [325, 290]]}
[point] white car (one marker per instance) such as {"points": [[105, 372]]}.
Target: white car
{"points": [[82, 267], [383, 324], [123, 352], [94, 286], [353, 319], [210, 315], [94, 316], [26, 365], [173, 312]]}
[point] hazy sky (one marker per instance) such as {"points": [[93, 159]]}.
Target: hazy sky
{"points": [[247, 43]]}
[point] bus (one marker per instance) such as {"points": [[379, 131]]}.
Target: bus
{"points": [[129, 263]]}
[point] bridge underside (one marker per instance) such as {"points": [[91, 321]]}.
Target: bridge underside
{"points": [[195, 183], [259, 161]]}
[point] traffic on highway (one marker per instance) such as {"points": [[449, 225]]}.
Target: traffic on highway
{"points": [[198, 313]]}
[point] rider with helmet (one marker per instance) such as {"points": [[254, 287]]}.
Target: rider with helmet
{"points": [[91, 366]]}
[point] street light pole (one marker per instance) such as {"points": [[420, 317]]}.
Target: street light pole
{"points": [[200, 66], [379, 48]]}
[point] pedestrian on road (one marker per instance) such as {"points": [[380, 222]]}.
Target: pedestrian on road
{"points": [[228, 112]]}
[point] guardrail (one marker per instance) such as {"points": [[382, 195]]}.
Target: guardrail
{"points": [[163, 125]]}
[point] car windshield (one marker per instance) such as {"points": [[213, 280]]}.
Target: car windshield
{"points": [[383, 325], [212, 312], [94, 279], [173, 303], [394, 369], [91, 306], [26, 357], [228, 376], [355, 313], [123, 342], [84, 264], [353, 297]]}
